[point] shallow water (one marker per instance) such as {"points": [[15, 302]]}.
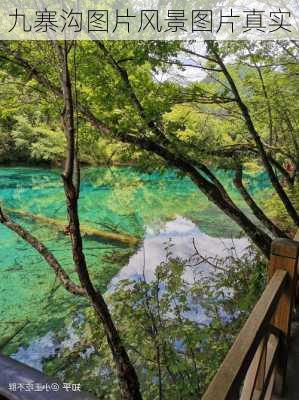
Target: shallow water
{"points": [[121, 199]]}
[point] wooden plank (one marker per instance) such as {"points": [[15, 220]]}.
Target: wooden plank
{"points": [[260, 379], [251, 377], [269, 392], [249, 383], [258, 391], [272, 355], [284, 255], [226, 384]]}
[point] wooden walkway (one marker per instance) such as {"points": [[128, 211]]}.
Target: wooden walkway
{"points": [[263, 363], [292, 379]]}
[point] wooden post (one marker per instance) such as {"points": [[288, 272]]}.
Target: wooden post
{"points": [[284, 255]]}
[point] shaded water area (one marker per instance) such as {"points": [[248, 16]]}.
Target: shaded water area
{"points": [[120, 199]]}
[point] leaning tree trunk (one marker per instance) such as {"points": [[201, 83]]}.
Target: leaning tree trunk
{"points": [[127, 376], [210, 189], [212, 192], [257, 211], [258, 141]]}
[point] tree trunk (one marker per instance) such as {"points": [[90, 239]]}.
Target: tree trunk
{"points": [[257, 211], [256, 137], [128, 380], [260, 238]]}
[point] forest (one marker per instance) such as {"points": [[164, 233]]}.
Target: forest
{"points": [[142, 184]]}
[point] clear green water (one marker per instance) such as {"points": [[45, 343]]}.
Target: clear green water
{"points": [[122, 199]]}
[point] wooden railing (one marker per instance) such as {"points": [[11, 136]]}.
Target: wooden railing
{"points": [[255, 367]]}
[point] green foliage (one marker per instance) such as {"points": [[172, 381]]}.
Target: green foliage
{"points": [[25, 142], [39, 143], [173, 354], [277, 212], [198, 118], [177, 332]]}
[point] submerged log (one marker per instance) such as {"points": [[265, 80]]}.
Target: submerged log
{"points": [[86, 230]]}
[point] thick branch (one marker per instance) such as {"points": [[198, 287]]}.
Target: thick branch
{"points": [[44, 252], [258, 141], [194, 53], [186, 65], [150, 123], [33, 71], [240, 149], [212, 191], [262, 240], [257, 211], [267, 99]]}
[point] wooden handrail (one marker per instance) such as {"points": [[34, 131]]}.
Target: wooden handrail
{"points": [[226, 384], [255, 366]]}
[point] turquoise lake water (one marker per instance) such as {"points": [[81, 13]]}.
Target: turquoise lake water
{"points": [[119, 198]]}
